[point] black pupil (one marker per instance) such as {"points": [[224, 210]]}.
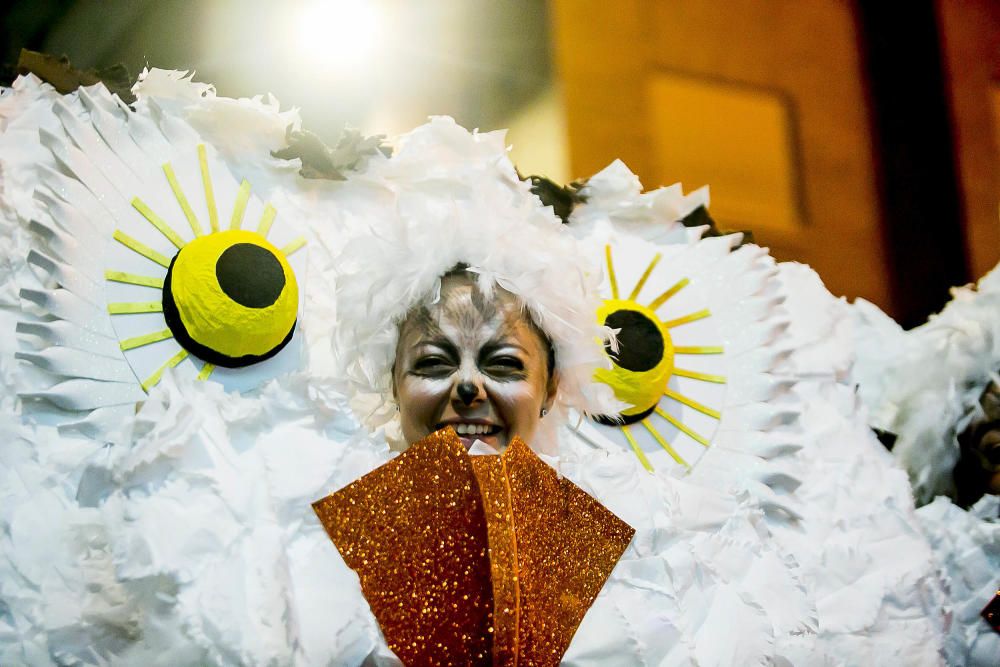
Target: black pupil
{"points": [[640, 343], [250, 275]]}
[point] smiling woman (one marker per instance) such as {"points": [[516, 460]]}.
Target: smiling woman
{"points": [[468, 305], [471, 305], [475, 363]]}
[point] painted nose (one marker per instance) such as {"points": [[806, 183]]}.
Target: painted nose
{"points": [[467, 392]]}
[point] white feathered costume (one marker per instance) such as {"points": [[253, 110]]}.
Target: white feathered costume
{"points": [[177, 529]]}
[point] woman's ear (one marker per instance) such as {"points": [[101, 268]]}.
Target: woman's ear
{"points": [[551, 390]]}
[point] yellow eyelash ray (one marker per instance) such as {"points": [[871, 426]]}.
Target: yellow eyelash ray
{"points": [[695, 375], [141, 248], [265, 220], [681, 398], [698, 349], [240, 207], [683, 427], [206, 370], [158, 222], [139, 341], [666, 445], [133, 279], [151, 381], [645, 276], [635, 448], [660, 300], [133, 307], [611, 272], [206, 179], [294, 246], [691, 317], [182, 200]]}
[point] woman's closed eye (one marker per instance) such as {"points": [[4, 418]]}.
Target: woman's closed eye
{"points": [[504, 365], [432, 364]]}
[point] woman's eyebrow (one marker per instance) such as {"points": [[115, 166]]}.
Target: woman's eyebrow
{"points": [[499, 343], [442, 343]]}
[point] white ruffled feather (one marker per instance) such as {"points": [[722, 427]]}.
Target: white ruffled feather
{"points": [[924, 385]]}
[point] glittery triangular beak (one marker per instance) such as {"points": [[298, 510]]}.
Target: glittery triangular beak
{"points": [[552, 547], [414, 531], [474, 560]]}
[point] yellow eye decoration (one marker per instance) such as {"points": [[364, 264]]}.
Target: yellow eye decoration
{"points": [[668, 363], [229, 298], [644, 361]]}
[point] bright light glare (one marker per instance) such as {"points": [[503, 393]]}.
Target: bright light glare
{"points": [[338, 33]]}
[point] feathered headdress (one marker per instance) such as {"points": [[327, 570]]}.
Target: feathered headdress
{"points": [[448, 197]]}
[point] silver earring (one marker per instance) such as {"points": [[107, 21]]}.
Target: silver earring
{"points": [[544, 412]]}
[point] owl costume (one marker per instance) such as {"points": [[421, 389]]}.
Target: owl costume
{"points": [[196, 344]]}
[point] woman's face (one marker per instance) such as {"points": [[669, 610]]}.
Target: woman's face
{"points": [[478, 366]]}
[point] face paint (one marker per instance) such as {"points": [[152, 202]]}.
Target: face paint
{"points": [[478, 366]]}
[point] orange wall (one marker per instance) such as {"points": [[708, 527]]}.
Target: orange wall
{"points": [[970, 40], [766, 102]]}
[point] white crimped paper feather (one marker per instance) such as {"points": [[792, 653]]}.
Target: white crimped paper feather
{"points": [[701, 560], [219, 505], [614, 197], [967, 546], [924, 384], [859, 545], [26, 114]]}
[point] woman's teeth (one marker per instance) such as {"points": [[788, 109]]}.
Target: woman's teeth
{"points": [[473, 429]]}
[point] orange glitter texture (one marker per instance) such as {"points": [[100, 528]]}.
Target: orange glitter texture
{"points": [[410, 531], [481, 560]]}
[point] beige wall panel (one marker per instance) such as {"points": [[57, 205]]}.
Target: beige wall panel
{"points": [[738, 139]]}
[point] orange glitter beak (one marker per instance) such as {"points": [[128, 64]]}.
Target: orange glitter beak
{"points": [[484, 560]]}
